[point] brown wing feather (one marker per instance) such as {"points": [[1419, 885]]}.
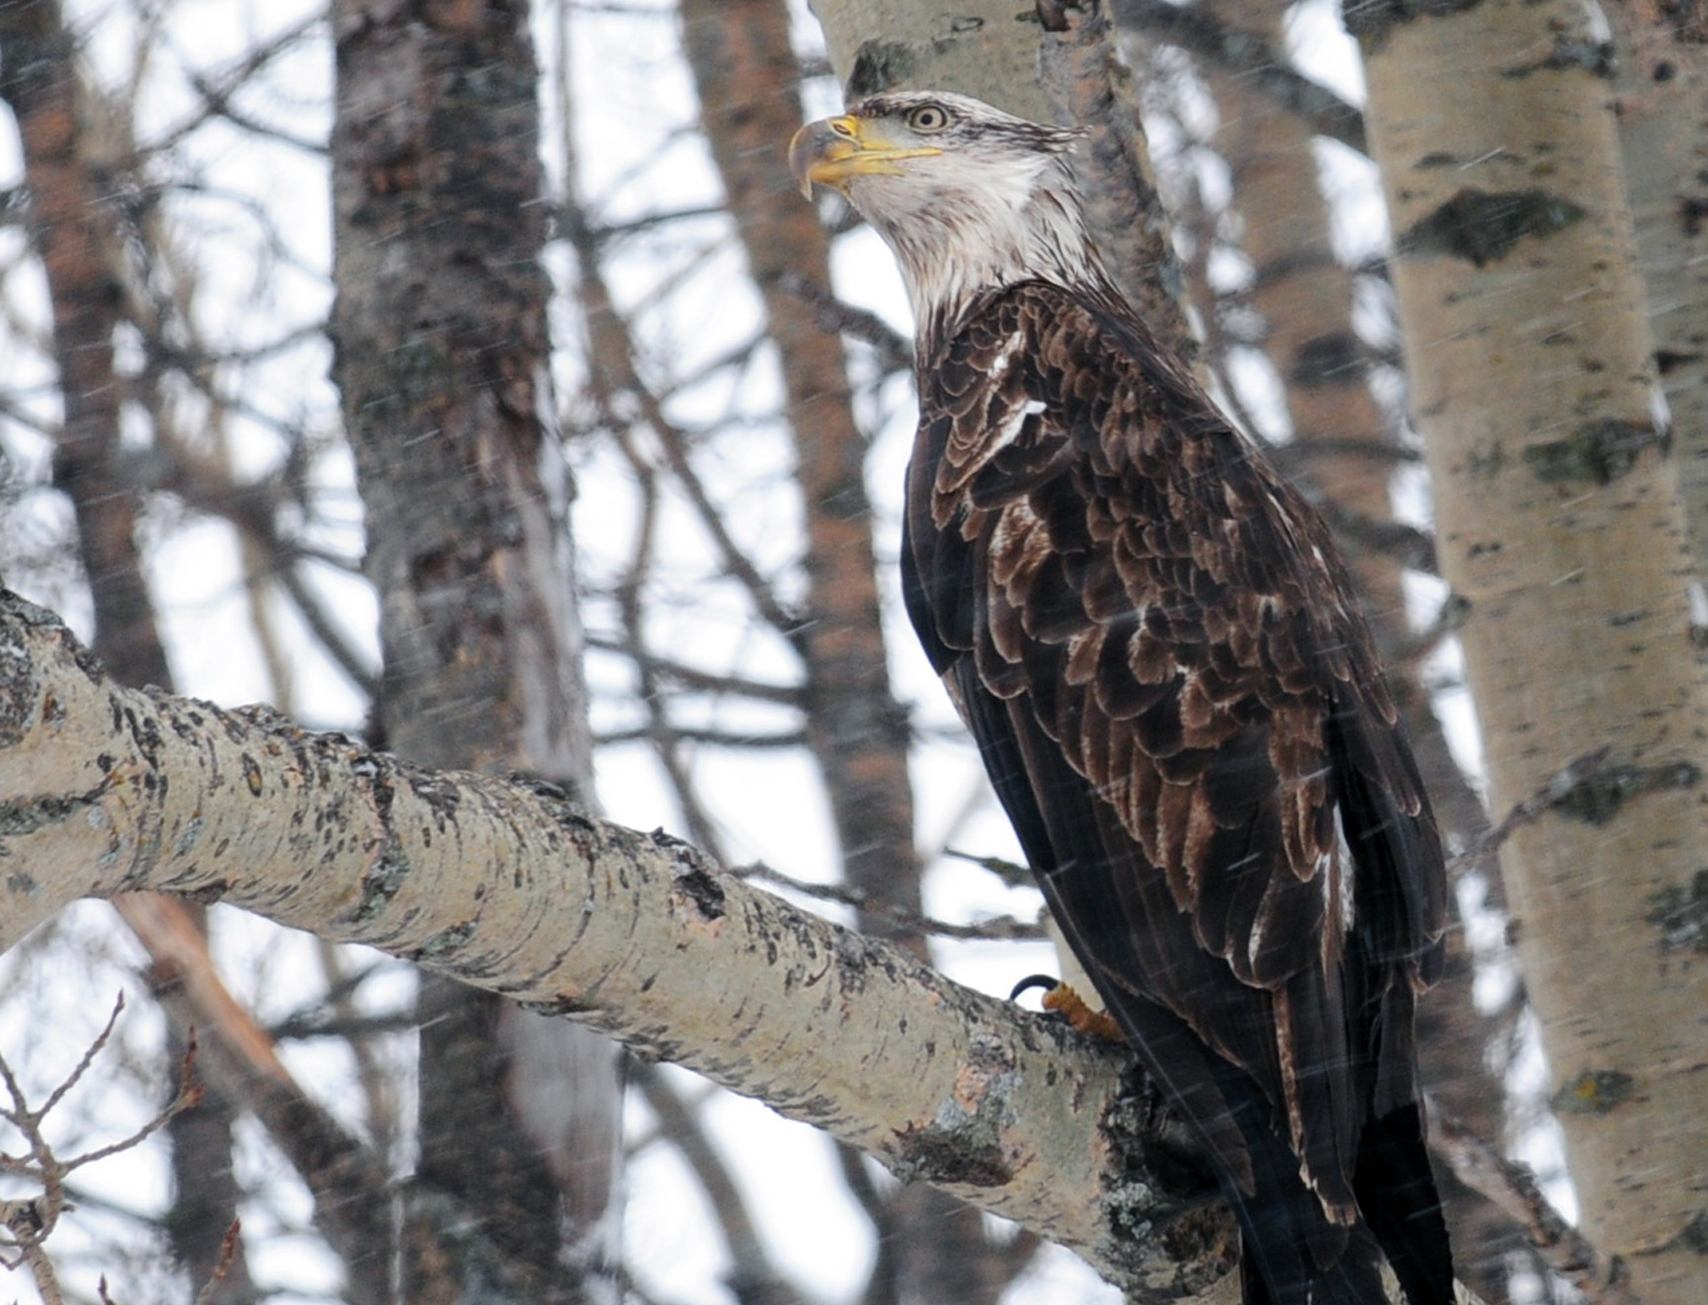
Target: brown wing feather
{"points": [[1090, 544]]}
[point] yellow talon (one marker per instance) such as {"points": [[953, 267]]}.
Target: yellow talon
{"points": [[1067, 1003]]}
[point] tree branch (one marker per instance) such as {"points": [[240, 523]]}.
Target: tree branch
{"points": [[1602, 1279], [1250, 57], [505, 886]]}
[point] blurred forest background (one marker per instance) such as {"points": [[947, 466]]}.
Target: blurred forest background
{"points": [[467, 375]]}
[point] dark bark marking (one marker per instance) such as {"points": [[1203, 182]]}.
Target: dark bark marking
{"points": [[1679, 913], [438, 795], [209, 894], [562, 1006], [1373, 21], [1485, 460], [1692, 209], [28, 815], [942, 1155], [878, 65], [1483, 226], [1595, 57], [19, 688], [1600, 793], [145, 733], [704, 892], [1594, 1092], [445, 942], [1694, 1234], [382, 882], [1147, 1137], [1332, 359], [1599, 451]]}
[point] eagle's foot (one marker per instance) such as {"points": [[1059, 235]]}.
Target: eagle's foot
{"points": [[1060, 999]]}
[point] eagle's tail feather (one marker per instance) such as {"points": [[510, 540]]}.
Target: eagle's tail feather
{"points": [[1396, 1193], [1290, 1252]]}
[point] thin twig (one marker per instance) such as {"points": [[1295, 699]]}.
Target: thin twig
{"points": [[1249, 57], [227, 1256], [999, 928], [1587, 785], [894, 350], [1511, 1186], [694, 677]]}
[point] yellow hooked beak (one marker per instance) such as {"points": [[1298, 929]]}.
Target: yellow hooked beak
{"points": [[833, 151]]}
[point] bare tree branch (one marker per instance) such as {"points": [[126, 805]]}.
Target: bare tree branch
{"points": [[1512, 1187], [753, 1278], [504, 885], [1251, 58]]}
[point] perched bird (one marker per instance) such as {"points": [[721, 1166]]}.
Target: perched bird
{"points": [[1154, 644]]}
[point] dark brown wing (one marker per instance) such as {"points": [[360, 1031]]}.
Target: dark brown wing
{"points": [[1149, 635]]}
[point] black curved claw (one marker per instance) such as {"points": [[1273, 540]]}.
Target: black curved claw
{"points": [[1048, 982]]}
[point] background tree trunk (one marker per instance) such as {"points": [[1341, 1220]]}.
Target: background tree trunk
{"points": [[73, 225], [1560, 525], [442, 358], [933, 1248]]}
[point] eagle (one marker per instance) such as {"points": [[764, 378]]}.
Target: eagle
{"points": [[1158, 651]]}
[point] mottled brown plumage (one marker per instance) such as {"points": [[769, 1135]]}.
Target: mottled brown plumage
{"points": [[1156, 647], [1154, 642]]}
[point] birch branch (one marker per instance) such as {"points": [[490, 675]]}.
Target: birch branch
{"points": [[506, 886]]}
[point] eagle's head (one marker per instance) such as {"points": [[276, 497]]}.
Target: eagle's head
{"points": [[970, 198]]}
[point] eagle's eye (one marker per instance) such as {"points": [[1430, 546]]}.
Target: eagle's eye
{"points": [[928, 118]]}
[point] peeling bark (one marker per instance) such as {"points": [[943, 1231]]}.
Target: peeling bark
{"points": [[1560, 525]]}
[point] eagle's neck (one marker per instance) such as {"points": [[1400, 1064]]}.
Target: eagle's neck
{"points": [[966, 246]]}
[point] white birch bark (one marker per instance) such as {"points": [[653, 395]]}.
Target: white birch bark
{"points": [[505, 886], [1663, 138], [1560, 523], [984, 48]]}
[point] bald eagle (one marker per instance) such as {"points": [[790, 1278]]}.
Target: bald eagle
{"points": [[1154, 644]]}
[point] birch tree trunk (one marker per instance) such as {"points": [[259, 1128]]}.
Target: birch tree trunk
{"points": [[984, 48], [442, 358], [1560, 524], [1663, 139], [1304, 295]]}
